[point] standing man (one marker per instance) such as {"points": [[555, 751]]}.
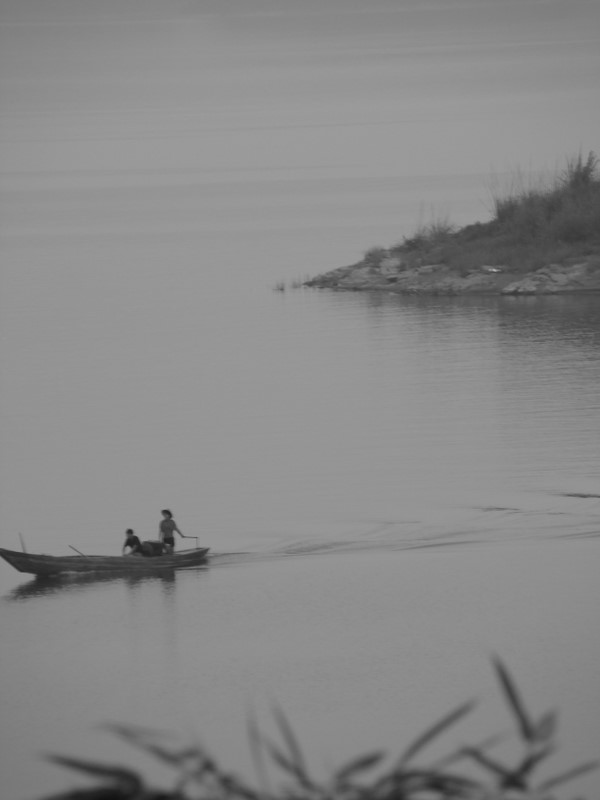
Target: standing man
{"points": [[166, 531]]}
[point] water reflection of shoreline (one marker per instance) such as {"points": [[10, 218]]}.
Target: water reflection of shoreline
{"points": [[44, 587]]}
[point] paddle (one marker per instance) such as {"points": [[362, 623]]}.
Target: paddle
{"points": [[77, 551]]}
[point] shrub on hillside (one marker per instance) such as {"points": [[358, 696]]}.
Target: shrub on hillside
{"points": [[531, 226]]}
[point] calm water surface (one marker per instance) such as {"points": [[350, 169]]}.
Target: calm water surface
{"points": [[393, 488]]}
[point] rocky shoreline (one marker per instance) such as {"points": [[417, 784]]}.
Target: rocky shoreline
{"points": [[539, 241], [391, 274]]}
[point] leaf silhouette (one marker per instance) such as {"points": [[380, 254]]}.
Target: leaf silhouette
{"points": [[575, 772], [439, 727], [117, 774], [485, 744], [145, 739], [256, 750], [290, 739], [357, 765], [526, 727], [288, 764], [489, 763], [546, 727]]}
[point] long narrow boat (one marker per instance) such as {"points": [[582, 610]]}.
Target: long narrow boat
{"points": [[37, 564]]}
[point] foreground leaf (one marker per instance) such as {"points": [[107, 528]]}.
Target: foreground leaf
{"points": [[357, 765], [117, 774], [431, 733], [575, 772], [526, 726]]}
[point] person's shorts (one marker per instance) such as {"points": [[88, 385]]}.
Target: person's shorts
{"points": [[169, 541]]}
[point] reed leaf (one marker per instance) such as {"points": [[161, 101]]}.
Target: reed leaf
{"points": [[575, 772], [531, 761], [459, 754], [289, 765], [128, 779], [361, 764], [232, 787], [290, 739], [140, 737], [202, 777], [489, 763], [546, 727], [256, 751], [131, 730], [431, 733], [410, 784], [525, 725]]}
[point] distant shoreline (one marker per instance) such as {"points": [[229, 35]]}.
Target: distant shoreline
{"points": [[543, 240]]}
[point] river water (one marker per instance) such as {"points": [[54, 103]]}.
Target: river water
{"points": [[394, 489]]}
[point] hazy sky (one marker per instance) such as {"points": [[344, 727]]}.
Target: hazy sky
{"points": [[236, 86]]}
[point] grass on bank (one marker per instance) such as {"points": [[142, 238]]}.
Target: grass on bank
{"points": [[200, 777], [530, 227]]}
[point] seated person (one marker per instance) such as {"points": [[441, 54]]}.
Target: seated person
{"points": [[132, 543]]}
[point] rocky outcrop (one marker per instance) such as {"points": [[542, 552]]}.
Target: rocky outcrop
{"points": [[392, 275], [555, 278]]}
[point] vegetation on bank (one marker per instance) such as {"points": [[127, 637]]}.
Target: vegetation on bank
{"points": [[467, 773], [530, 227]]}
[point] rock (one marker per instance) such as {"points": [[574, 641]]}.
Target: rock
{"points": [[524, 286], [392, 275], [390, 265], [361, 278], [427, 269], [491, 269], [555, 278]]}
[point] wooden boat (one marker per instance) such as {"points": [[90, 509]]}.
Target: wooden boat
{"points": [[37, 564]]}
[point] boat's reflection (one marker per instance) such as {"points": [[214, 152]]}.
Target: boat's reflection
{"points": [[47, 586]]}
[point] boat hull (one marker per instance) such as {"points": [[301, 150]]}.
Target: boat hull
{"points": [[39, 564]]}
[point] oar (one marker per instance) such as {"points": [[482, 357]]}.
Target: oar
{"points": [[193, 537], [77, 551], [22, 543]]}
